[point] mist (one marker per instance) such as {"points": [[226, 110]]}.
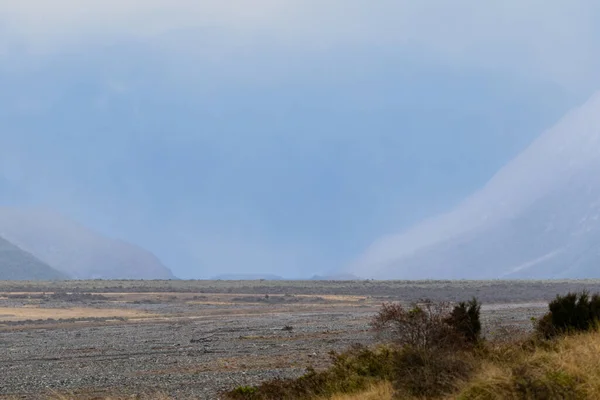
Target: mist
{"points": [[239, 142]]}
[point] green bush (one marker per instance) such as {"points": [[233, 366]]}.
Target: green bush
{"points": [[414, 371], [351, 372], [465, 319], [544, 328], [573, 312]]}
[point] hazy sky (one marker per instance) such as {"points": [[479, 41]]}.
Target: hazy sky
{"points": [[276, 136]]}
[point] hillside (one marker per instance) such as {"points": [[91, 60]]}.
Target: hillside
{"points": [[247, 277], [16, 264], [335, 277], [539, 217], [76, 250]]}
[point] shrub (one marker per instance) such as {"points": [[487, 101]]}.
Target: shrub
{"points": [[419, 372], [427, 373], [430, 325], [421, 326], [545, 328], [351, 372], [572, 312], [465, 319]]}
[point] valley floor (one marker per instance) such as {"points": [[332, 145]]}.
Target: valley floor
{"points": [[195, 339]]}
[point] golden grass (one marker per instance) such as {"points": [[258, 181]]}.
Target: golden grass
{"points": [[568, 368], [11, 314], [383, 391], [240, 363]]}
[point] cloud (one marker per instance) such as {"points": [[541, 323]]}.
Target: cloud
{"points": [[556, 40], [35, 16]]}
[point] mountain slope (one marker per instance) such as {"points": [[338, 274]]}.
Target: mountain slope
{"points": [[77, 251], [16, 264], [539, 217]]}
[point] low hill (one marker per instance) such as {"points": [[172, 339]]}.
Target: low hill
{"points": [[336, 277], [247, 277], [16, 264], [75, 250]]}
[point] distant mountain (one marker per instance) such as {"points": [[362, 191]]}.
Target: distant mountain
{"points": [[16, 264], [76, 250], [247, 277], [336, 277], [539, 217]]}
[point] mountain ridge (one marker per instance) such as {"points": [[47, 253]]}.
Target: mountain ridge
{"points": [[523, 222], [76, 250], [17, 264]]}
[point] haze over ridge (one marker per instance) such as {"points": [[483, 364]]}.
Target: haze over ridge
{"points": [[567, 155], [76, 251], [280, 139]]}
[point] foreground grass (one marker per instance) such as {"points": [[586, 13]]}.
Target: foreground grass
{"points": [[381, 391], [564, 368]]}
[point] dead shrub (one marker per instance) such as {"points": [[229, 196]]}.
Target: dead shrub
{"points": [[421, 326], [429, 325]]}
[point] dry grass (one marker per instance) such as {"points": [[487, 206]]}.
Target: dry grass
{"points": [[383, 391], [11, 314], [568, 368], [241, 363]]}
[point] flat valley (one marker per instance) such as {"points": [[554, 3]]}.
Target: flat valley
{"points": [[196, 339]]}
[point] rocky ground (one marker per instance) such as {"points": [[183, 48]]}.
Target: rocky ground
{"points": [[184, 344]]}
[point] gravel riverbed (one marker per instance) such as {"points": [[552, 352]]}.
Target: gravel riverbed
{"points": [[186, 345]]}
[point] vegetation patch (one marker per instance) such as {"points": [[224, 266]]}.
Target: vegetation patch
{"points": [[574, 312], [351, 372], [436, 351], [427, 356]]}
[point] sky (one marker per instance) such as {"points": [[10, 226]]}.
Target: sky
{"points": [[276, 137]]}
